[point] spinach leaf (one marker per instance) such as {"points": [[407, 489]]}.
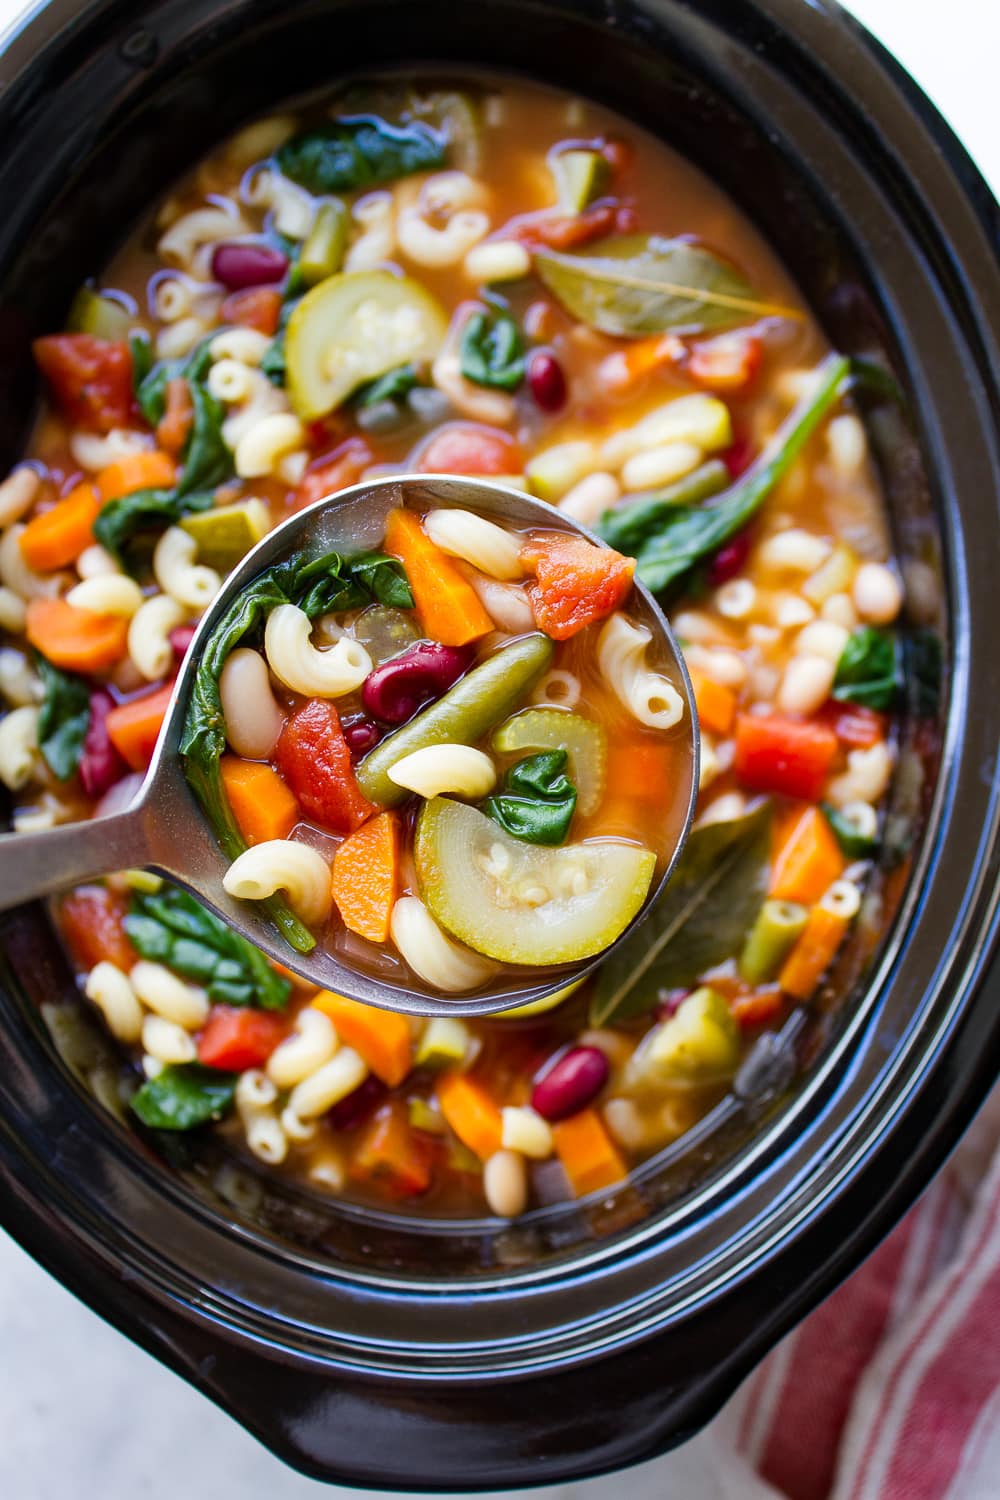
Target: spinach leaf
{"points": [[359, 151], [337, 583], [627, 526], [537, 800], [853, 843], [173, 928], [63, 718], [635, 284], [207, 460], [701, 919], [491, 351], [682, 536], [141, 349], [866, 671], [125, 522], [384, 578], [184, 1096], [392, 386], [151, 393]]}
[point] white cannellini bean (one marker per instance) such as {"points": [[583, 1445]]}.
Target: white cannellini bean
{"points": [[170, 997], [725, 809], [166, 1041], [724, 666], [587, 501], [877, 593], [525, 1130], [497, 260], [507, 604], [13, 611], [847, 445], [437, 770], [794, 550], [253, 718], [111, 991], [822, 638], [840, 610], [96, 562], [789, 611], [805, 684], [328, 1085], [488, 547], [107, 594], [438, 960], [655, 466], [288, 865], [297, 663], [505, 1184], [18, 493]]}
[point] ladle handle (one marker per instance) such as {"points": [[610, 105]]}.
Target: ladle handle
{"points": [[36, 864]]}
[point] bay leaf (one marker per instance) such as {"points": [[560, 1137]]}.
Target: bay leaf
{"points": [[701, 919], [635, 284]]}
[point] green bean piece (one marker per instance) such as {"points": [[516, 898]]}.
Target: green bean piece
{"points": [[467, 711], [323, 251], [778, 925]]}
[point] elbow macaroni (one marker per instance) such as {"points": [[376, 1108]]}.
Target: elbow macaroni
{"points": [[149, 635], [283, 864], [161, 991], [621, 657], [17, 576], [183, 242], [247, 346], [328, 1085], [94, 451], [438, 769], [293, 209], [255, 1104], [191, 584], [18, 493], [262, 446], [166, 1041], [18, 747], [441, 963], [297, 663], [486, 546], [310, 1046], [20, 684], [107, 594], [374, 216], [111, 991]]}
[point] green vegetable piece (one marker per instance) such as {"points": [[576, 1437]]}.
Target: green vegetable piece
{"points": [[585, 743], [701, 919], [394, 386], [207, 460], [537, 799], [334, 583], [125, 523], [444, 1043], [487, 888], [467, 711], [151, 390], [626, 527], [352, 328], [866, 671], [274, 364], [491, 351], [554, 471], [682, 536], [63, 718], [699, 1044], [102, 317], [855, 839], [581, 175], [226, 533], [359, 152], [322, 253], [423, 1116], [635, 284], [172, 928], [771, 937], [184, 1096], [385, 632], [141, 349]]}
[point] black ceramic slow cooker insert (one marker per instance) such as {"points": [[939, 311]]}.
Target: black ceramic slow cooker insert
{"points": [[377, 1349]]}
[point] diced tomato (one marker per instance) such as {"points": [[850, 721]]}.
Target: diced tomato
{"points": [[178, 415], [856, 727], [789, 757], [467, 448], [335, 471], [566, 233], [254, 307], [90, 378], [759, 1008], [390, 1155], [728, 362], [313, 758], [575, 583], [239, 1039], [92, 921]]}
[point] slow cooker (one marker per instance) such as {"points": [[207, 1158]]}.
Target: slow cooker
{"points": [[385, 1350]]}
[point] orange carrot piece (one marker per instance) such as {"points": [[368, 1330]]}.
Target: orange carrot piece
{"points": [[447, 604], [263, 806], [150, 470], [813, 953], [366, 877], [588, 1154], [133, 727], [715, 703], [391, 1154], [471, 1113], [808, 861], [642, 768], [59, 535], [759, 1007], [382, 1037], [178, 417], [76, 639]]}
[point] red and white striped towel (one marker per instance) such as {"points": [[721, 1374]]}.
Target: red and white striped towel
{"points": [[891, 1389]]}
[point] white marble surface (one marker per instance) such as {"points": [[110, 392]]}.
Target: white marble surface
{"points": [[83, 1413]]}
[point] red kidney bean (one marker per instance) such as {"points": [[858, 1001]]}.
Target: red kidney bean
{"points": [[396, 689], [729, 559], [100, 764], [546, 381], [181, 638], [570, 1083], [243, 265], [361, 735], [739, 456], [669, 1003], [354, 1110]]}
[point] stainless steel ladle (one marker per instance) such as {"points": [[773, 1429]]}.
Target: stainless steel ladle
{"points": [[164, 830]]}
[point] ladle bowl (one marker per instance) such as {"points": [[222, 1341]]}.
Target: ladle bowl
{"points": [[164, 830]]}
